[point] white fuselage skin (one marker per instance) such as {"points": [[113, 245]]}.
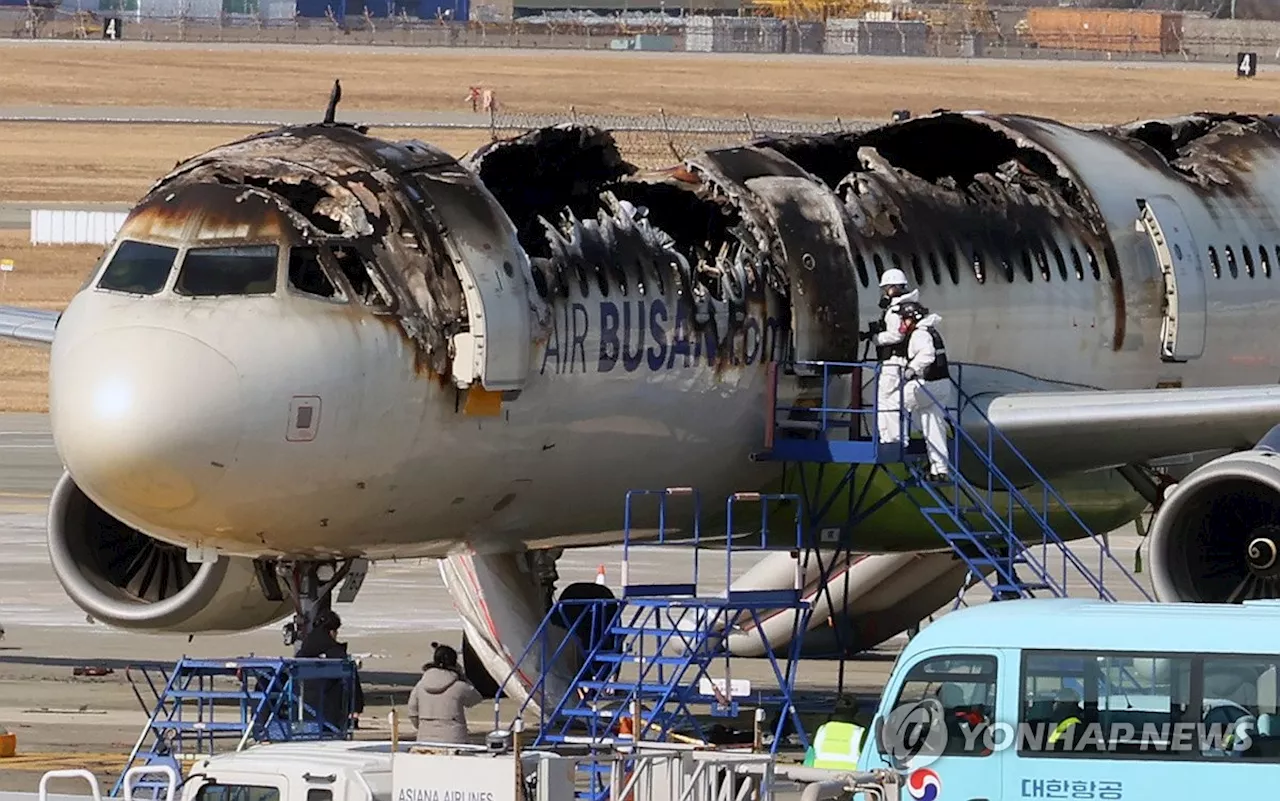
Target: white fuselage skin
{"points": [[172, 413]]}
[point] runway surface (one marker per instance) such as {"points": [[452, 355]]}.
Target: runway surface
{"points": [[163, 115]]}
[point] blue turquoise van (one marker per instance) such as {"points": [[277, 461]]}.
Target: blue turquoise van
{"points": [[1084, 700]]}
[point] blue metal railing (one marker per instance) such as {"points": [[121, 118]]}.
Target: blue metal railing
{"points": [[868, 448]]}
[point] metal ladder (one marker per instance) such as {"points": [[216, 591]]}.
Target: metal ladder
{"points": [[647, 657], [981, 530], [204, 703]]}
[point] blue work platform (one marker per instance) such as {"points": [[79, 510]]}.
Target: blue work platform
{"points": [[973, 510], [645, 664], [203, 703]]}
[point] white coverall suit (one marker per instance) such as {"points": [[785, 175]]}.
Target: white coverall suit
{"points": [[889, 419], [933, 422]]}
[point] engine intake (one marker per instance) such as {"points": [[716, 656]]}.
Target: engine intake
{"points": [[1216, 539], [126, 579]]}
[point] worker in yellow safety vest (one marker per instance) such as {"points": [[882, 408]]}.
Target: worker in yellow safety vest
{"points": [[1066, 710], [836, 746]]}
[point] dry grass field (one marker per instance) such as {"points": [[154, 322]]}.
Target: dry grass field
{"points": [[79, 162], [118, 163], [44, 278], [613, 82]]}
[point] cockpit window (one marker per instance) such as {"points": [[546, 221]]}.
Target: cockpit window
{"points": [[306, 275], [353, 266], [239, 270], [140, 268]]}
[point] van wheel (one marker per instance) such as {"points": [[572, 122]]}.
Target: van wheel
{"points": [[476, 672]]}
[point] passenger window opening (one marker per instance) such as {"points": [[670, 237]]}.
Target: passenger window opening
{"points": [[1093, 263], [539, 277], [139, 268], [979, 271], [860, 264], [602, 281], [1028, 271], [965, 689], [1042, 261], [357, 274], [1217, 267], [916, 269], [1266, 261], [1231, 262], [879, 264], [934, 270], [238, 270], [1008, 269], [953, 269], [1062, 264], [1248, 260], [1278, 254], [1076, 264], [307, 275]]}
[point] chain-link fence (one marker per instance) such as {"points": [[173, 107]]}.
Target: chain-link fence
{"points": [[955, 29]]}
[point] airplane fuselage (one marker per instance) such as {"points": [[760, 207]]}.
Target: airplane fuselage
{"points": [[180, 414]]}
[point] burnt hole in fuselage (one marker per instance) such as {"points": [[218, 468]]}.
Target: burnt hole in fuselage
{"points": [[981, 187], [303, 196], [590, 222]]}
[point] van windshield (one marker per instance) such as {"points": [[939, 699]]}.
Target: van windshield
{"points": [[237, 792]]}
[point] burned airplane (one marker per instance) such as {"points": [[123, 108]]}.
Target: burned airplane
{"points": [[311, 348]]}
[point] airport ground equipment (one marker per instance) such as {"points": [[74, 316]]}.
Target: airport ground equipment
{"points": [[1006, 534], [652, 656], [202, 706], [364, 770]]}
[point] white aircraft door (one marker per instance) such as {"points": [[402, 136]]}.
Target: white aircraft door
{"points": [[1182, 334]]}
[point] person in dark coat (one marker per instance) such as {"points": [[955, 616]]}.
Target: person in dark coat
{"points": [[326, 697]]}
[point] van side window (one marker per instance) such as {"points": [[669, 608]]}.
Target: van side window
{"points": [[965, 689], [1089, 703], [1240, 708], [318, 794]]}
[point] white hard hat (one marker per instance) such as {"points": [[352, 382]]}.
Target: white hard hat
{"points": [[893, 276]]}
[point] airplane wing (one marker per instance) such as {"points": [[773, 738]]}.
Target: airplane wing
{"points": [[27, 325], [1058, 432]]}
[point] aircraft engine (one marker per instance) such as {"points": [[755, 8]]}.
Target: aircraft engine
{"points": [[1216, 538], [123, 578]]}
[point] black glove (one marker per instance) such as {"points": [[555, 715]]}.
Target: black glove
{"points": [[865, 336], [876, 326], [884, 301]]}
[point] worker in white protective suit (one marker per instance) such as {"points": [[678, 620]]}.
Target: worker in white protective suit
{"points": [[927, 390], [891, 352]]}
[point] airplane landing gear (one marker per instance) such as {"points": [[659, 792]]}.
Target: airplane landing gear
{"points": [[311, 584]]}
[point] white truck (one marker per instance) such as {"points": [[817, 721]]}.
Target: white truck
{"points": [[381, 771]]}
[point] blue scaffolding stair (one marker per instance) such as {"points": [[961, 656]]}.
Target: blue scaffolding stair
{"points": [[976, 518], [206, 703], [645, 659]]}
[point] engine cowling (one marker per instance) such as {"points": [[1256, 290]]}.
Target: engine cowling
{"points": [[126, 579], [1216, 538]]}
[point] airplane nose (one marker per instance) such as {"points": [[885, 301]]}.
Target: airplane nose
{"points": [[146, 418]]}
